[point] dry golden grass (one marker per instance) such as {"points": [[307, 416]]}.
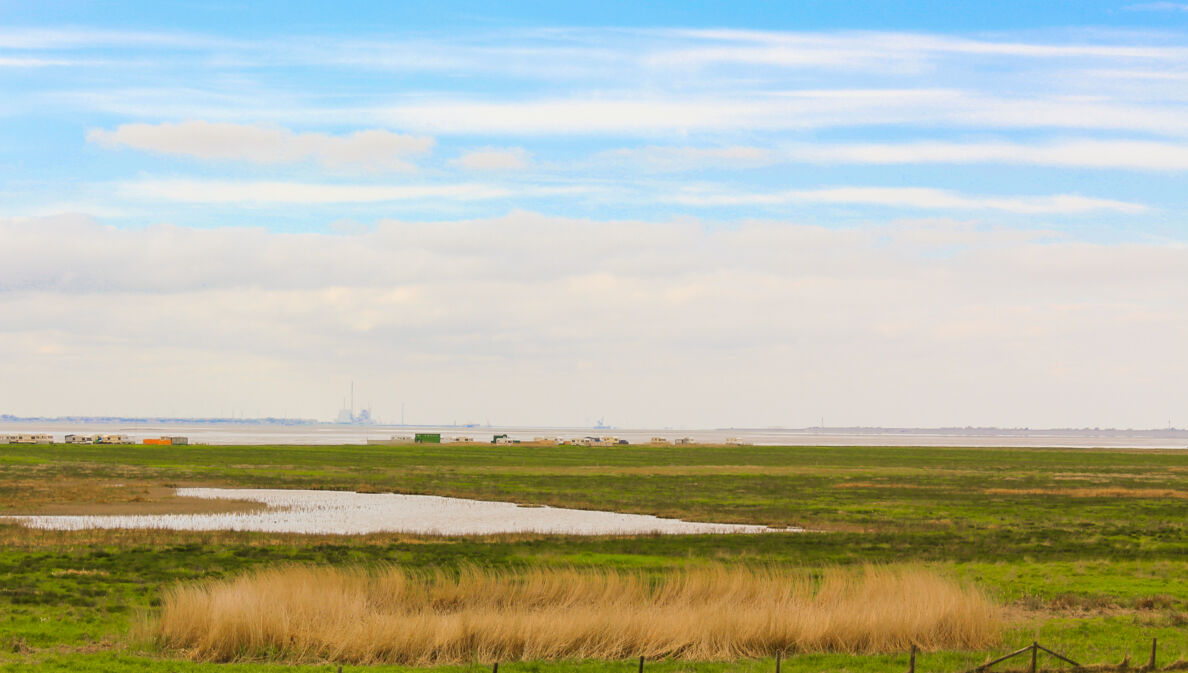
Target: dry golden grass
{"points": [[713, 613]]}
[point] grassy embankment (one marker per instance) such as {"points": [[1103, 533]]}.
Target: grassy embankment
{"points": [[1084, 548]]}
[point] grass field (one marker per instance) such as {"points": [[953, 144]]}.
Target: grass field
{"points": [[1084, 549]]}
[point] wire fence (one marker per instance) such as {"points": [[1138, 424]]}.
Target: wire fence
{"points": [[1034, 650]]}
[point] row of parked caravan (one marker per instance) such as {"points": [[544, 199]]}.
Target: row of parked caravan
{"points": [[98, 439], [41, 438], [27, 438]]}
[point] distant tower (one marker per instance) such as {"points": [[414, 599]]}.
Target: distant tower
{"points": [[347, 414]]}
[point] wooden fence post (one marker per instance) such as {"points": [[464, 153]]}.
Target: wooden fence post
{"points": [[1151, 662], [1034, 653], [912, 660], [495, 668], [777, 661]]}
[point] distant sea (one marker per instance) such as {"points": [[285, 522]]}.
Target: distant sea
{"points": [[329, 433]]}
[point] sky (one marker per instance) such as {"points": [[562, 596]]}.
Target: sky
{"points": [[669, 214]]}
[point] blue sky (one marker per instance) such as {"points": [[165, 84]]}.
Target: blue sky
{"points": [[728, 111], [356, 17], [924, 138]]}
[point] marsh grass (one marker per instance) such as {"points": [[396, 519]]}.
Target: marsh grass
{"points": [[723, 613]]}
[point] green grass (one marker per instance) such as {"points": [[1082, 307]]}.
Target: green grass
{"points": [[1095, 572]]}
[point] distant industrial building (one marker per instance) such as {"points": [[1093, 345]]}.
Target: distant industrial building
{"points": [[347, 415], [427, 438]]}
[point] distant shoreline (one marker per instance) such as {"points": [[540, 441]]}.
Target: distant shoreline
{"points": [[970, 431], [228, 432], [88, 420]]}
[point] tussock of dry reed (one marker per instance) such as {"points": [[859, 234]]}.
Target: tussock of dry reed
{"points": [[714, 613]]}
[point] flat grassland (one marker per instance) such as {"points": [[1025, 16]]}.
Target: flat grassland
{"points": [[1085, 549]]}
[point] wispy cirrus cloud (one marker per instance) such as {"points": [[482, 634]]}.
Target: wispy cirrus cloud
{"points": [[784, 110], [36, 62], [1123, 154], [701, 196], [1157, 7], [625, 111], [879, 50], [682, 158], [281, 192], [909, 197], [770, 112], [665, 115], [41, 38], [1144, 155], [374, 149]]}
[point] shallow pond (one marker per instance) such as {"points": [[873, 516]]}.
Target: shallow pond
{"points": [[349, 513]]}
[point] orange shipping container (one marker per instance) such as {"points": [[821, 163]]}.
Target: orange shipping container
{"points": [[162, 442]]}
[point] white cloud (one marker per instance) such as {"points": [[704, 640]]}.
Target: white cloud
{"points": [[1078, 153], [32, 62], [265, 192], [646, 82], [705, 195], [634, 74], [1128, 75], [535, 319], [495, 159], [84, 208], [375, 149], [1070, 112], [79, 38], [908, 197], [784, 110], [867, 48], [1127, 154], [682, 158], [1158, 7]]}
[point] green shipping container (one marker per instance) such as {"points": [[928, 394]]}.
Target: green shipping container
{"points": [[427, 438]]}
